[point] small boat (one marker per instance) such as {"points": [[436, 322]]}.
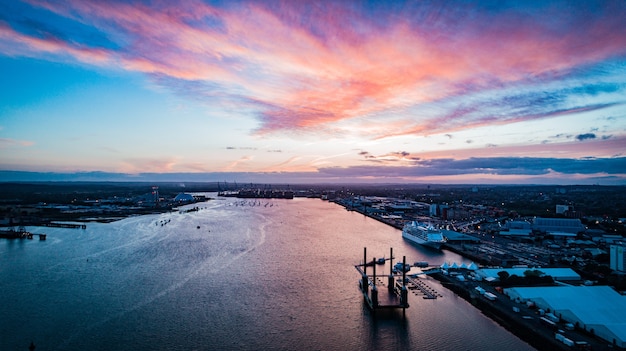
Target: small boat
{"points": [[402, 267], [381, 260]]}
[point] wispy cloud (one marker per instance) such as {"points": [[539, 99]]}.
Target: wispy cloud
{"points": [[307, 66], [527, 166], [139, 165], [240, 164], [6, 143]]}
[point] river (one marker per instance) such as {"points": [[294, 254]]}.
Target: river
{"points": [[234, 275]]}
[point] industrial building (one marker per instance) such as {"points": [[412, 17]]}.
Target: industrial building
{"points": [[599, 310], [516, 228], [558, 226]]}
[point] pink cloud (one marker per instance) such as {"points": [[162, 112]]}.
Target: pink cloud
{"points": [[306, 66], [611, 147]]}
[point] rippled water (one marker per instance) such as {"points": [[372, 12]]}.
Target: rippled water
{"points": [[264, 275]]}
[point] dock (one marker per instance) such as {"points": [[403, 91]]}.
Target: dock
{"points": [[419, 287]]}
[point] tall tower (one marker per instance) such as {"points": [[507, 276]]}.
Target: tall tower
{"points": [[155, 193]]}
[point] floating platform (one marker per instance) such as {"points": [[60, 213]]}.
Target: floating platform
{"points": [[391, 291], [380, 295]]}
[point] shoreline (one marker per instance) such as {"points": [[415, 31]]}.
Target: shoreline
{"points": [[540, 338]]}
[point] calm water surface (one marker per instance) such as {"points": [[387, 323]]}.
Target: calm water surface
{"points": [[256, 275]]}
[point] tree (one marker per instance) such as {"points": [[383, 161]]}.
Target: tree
{"points": [[503, 275], [532, 273]]}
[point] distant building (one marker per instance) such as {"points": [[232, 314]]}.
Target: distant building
{"points": [[618, 259], [562, 209], [610, 239], [437, 210], [434, 210], [558, 225], [397, 207], [516, 228], [517, 225]]}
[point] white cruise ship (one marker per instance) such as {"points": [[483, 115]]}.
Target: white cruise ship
{"points": [[423, 234]]}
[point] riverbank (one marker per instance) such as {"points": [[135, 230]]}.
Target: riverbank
{"points": [[540, 338]]}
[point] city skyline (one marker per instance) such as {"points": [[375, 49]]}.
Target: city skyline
{"points": [[301, 92]]}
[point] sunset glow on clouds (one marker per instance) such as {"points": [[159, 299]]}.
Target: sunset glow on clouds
{"points": [[401, 91]]}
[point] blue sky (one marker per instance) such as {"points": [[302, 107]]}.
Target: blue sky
{"points": [[437, 92]]}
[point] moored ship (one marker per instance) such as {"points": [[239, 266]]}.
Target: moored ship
{"points": [[423, 234]]}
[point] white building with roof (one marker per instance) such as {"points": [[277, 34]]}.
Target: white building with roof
{"points": [[184, 197], [596, 309]]}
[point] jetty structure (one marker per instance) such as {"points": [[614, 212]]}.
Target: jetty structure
{"points": [[20, 233], [65, 225], [395, 297]]}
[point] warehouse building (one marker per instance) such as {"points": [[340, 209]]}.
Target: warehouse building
{"points": [[599, 310]]}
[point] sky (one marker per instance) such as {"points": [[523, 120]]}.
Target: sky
{"points": [[513, 92]]}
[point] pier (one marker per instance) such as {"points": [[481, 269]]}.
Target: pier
{"points": [[418, 286], [20, 234], [66, 225]]}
